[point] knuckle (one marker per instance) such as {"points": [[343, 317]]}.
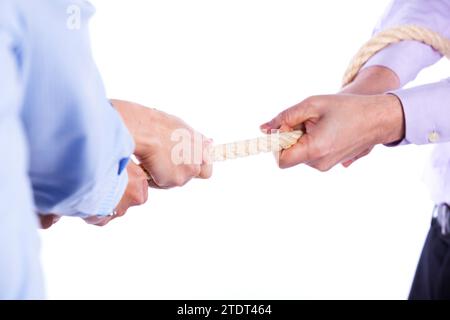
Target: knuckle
{"points": [[282, 164], [314, 100], [315, 151], [179, 180], [121, 212], [143, 197], [286, 116], [207, 173], [310, 101], [137, 198], [319, 149], [194, 171], [323, 167]]}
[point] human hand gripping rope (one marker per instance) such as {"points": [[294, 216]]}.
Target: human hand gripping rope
{"points": [[284, 140], [274, 142]]}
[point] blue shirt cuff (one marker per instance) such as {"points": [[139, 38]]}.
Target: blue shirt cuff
{"points": [[426, 113], [113, 197]]}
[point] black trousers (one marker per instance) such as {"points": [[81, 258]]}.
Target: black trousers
{"points": [[432, 278]]}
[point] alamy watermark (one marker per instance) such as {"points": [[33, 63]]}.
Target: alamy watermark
{"points": [[192, 148]]}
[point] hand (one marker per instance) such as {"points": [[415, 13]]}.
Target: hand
{"points": [[338, 128], [135, 194], [154, 133]]}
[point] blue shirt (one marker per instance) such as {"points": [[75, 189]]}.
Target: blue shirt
{"points": [[63, 147]]}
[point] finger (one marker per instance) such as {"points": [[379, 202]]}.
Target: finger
{"points": [[152, 184], [104, 221], [347, 163], [150, 181], [298, 153], [206, 168], [136, 193], [205, 171], [161, 174], [290, 117], [144, 185], [273, 124], [284, 128], [98, 221], [142, 177], [48, 220]]}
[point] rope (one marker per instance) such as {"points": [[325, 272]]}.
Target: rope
{"points": [[394, 35], [270, 143]]}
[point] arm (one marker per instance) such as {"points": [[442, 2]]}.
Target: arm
{"points": [[79, 146], [364, 121], [407, 58], [424, 107], [79, 143], [373, 80], [20, 274], [420, 115]]}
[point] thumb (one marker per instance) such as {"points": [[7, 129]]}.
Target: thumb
{"points": [[298, 153]]}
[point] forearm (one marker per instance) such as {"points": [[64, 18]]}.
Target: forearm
{"points": [[373, 80]]}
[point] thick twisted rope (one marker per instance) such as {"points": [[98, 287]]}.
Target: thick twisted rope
{"points": [[269, 143], [394, 35]]}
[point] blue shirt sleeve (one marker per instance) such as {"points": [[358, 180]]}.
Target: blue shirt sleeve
{"points": [[20, 271], [77, 140], [408, 58]]}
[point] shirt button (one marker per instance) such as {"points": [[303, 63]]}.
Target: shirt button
{"points": [[433, 137]]}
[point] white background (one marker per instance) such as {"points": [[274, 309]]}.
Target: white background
{"points": [[252, 231]]}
